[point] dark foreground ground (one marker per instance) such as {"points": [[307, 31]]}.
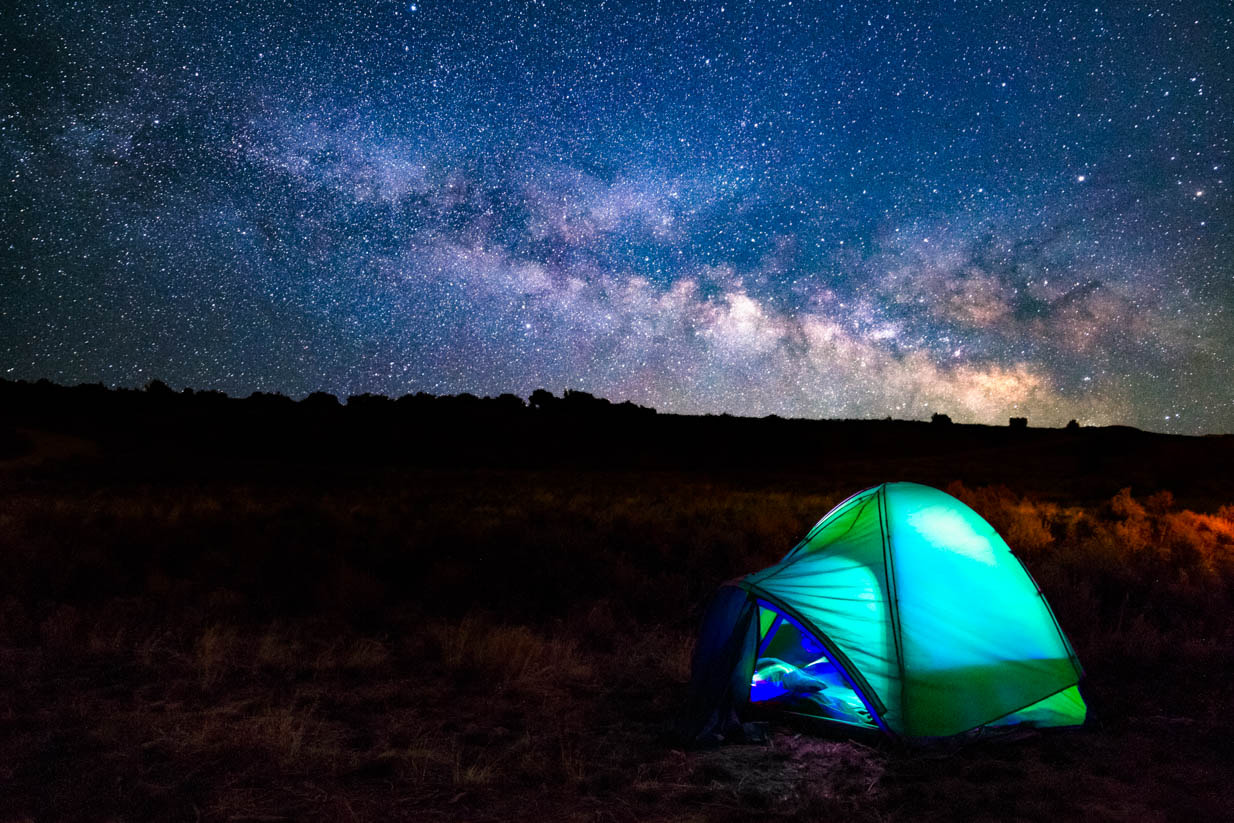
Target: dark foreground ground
{"points": [[204, 633]]}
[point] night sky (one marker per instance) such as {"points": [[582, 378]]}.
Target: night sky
{"points": [[796, 208]]}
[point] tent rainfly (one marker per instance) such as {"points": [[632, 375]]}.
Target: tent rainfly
{"points": [[901, 610]]}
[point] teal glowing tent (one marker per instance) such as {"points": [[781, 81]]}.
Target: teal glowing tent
{"points": [[901, 610]]}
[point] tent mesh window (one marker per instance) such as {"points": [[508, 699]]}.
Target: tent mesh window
{"points": [[793, 673]]}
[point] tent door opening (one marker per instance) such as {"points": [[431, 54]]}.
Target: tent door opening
{"points": [[794, 673]]}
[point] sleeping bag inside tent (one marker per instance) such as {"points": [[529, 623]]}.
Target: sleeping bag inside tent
{"points": [[901, 610]]}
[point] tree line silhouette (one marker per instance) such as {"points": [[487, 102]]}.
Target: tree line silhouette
{"points": [[54, 399], [198, 431]]}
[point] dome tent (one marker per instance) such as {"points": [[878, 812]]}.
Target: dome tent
{"points": [[902, 610]]}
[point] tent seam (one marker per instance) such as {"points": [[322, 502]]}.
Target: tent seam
{"points": [[793, 556], [893, 602], [836, 511], [1071, 655]]}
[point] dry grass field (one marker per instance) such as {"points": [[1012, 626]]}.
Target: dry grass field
{"points": [[255, 640]]}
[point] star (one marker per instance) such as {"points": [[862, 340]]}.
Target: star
{"points": [[764, 210]]}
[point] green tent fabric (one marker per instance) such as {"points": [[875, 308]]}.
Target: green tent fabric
{"points": [[913, 613]]}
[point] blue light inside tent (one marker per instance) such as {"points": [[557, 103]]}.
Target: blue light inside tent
{"points": [[768, 682], [774, 678], [762, 689]]}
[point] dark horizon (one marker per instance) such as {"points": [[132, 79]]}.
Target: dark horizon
{"points": [[568, 403]]}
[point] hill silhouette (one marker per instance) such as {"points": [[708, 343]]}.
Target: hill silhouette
{"points": [[201, 430]]}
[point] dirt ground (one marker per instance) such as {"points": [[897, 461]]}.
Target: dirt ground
{"points": [[258, 642]]}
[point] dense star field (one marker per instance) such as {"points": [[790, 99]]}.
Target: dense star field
{"points": [[808, 209]]}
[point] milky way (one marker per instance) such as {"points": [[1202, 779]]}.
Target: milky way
{"points": [[796, 208]]}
